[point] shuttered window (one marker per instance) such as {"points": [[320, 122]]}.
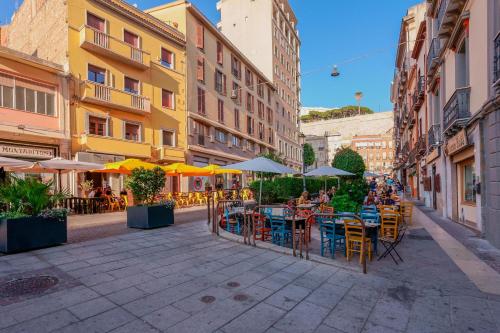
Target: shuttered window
{"points": [[200, 36], [167, 58], [167, 99], [200, 69]]}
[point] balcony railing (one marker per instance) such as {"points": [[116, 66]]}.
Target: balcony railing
{"points": [[412, 157], [97, 93], [448, 15], [456, 112], [100, 42], [411, 119], [496, 60], [421, 146], [434, 136], [433, 55]]}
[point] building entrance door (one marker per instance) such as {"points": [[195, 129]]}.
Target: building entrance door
{"points": [[434, 203]]}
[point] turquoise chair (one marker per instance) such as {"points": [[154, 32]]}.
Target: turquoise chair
{"points": [[330, 237], [280, 232]]}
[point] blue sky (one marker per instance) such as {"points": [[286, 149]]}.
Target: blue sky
{"points": [[360, 36]]}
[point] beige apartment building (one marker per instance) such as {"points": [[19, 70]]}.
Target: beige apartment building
{"points": [[460, 172], [408, 97], [266, 32], [231, 103], [319, 144]]}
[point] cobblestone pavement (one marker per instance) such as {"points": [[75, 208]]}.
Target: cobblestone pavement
{"points": [[183, 279]]}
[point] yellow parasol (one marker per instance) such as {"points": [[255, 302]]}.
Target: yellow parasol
{"points": [[176, 169], [126, 166], [216, 170]]}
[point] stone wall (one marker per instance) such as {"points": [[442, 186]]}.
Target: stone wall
{"points": [[39, 28], [492, 186]]}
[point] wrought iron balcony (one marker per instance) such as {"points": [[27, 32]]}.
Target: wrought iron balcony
{"points": [[496, 61], [433, 55], [406, 149], [434, 136], [456, 112], [412, 157], [411, 119], [421, 147], [448, 14]]}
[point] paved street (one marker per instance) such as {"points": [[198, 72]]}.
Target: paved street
{"points": [[183, 279]]}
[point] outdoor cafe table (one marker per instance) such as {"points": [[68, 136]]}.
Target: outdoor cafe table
{"points": [[372, 229], [307, 206]]}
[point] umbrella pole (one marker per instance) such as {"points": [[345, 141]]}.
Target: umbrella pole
{"points": [[260, 190], [59, 180]]}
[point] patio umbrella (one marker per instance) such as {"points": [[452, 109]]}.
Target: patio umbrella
{"points": [[60, 165], [183, 169], [217, 170], [260, 164], [328, 171], [126, 166], [6, 162], [368, 174]]}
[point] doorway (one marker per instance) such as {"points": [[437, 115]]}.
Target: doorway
{"points": [[434, 196]]}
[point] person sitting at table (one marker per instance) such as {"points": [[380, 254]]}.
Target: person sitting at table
{"points": [[323, 197], [98, 193], [370, 199], [108, 190], [123, 192], [92, 194], [304, 198]]}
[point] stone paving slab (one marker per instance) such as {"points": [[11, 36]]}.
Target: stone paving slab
{"points": [[183, 279]]}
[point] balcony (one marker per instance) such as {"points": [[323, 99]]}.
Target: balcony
{"points": [[434, 136], [456, 112], [411, 119], [96, 93], [418, 94], [421, 147], [448, 14], [405, 151], [433, 56], [96, 41], [412, 157]]}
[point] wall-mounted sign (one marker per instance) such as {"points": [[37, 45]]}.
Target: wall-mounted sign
{"points": [[432, 155], [22, 151], [456, 143]]}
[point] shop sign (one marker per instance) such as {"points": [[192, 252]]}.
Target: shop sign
{"points": [[456, 143], [26, 151], [432, 156]]}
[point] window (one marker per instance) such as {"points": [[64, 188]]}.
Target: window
{"points": [[168, 138], [30, 100], [220, 136], [250, 146], [96, 22], [167, 99], [167, 58], [131, 86], [96, 74], [269, 96], [6, 96], [250, 125], [271, 136], [261, 131], [133, 132], [200, 69], [199, 130], [260, 88], [269, 115], [250, 102], [98, 126], [236, 67], [20, 98], [220, 111], [236, 118], [468, 185], [220, 82], [131, 38], [248, 78], [260, 109], [236, 141], [200, 36], [220, 54], [236, 93], [201, 101]]}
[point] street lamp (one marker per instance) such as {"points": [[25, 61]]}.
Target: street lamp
{"points": [[302, 142], [358, 95]]}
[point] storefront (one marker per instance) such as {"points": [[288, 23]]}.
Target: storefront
{"points": [[99, 179], [464, 180]]}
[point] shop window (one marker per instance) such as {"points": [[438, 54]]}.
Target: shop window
{"points": [[469, 192]]}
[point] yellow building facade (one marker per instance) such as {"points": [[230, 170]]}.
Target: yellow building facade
{"points": [[127, 71]]}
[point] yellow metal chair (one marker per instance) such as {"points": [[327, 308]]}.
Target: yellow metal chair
{"points": [[200, 199], [354, 239], [389, 225], [124, 201], [112, 203]]}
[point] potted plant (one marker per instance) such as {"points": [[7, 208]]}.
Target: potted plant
{"points": [[30, 220], [145, 186], [86, 186]]}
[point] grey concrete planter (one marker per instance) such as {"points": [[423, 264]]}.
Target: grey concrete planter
{"points": [[149, 217], [33, 232]]}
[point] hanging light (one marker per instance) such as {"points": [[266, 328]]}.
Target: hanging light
{"points": [[335, 71]]}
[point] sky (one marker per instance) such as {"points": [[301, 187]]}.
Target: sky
{"points": [[359, 36]]}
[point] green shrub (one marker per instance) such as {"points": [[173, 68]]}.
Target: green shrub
{"points": [[348, 160], [146, 184], [343, 203], [28, 196], [355, 188]]}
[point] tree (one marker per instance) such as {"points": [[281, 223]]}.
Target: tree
{"points": [[146, 184], [309, 156], [348, 160]]}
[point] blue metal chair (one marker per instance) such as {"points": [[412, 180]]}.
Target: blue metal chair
{"points": [[280, 232], [232, 225], [329, 235], [371, 217], [369, 209]]}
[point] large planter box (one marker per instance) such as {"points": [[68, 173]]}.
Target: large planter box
{"points": [[28, 233], [149, 217]]}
